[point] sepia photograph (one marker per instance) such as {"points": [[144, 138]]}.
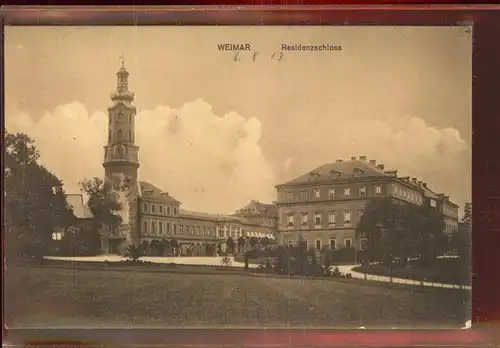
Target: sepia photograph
{"points": [[237, 177]]}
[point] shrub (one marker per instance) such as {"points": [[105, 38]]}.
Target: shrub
{"points": [[133, 253], [342, 255]]}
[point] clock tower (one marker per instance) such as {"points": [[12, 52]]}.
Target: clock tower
{"points": [[121, 162]]}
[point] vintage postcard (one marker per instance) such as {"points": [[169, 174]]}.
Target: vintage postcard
{"points": [[238, 177]]}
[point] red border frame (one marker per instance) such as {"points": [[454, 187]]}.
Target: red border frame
{"points": [[486, 166]]}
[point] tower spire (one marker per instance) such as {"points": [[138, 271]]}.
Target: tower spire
{"points": [[122, 77]]}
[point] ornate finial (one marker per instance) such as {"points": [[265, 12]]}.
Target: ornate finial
{"points": [[122, 60]]}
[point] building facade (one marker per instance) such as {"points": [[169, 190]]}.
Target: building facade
{"points": [[152, 217], [324, 206]]}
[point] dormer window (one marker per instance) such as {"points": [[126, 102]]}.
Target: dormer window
{"points": [[314, 176], [335, 173], [357, 172]]}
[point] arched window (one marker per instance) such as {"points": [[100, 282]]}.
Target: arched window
{"points": [[119, 117], [119, 135]]}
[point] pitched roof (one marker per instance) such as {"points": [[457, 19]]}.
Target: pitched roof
{"points": [[80, 209], [208, 216], [196, 214], [429, 193], [338, 170], [258, 208], [148, 190]]}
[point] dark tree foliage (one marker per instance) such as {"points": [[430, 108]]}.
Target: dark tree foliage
{"points": [[230, 244], [80, 242], [241, 243], [34, 199], [401, 231], [133, 253], [265, 242], [253, 241], [103, 201]]}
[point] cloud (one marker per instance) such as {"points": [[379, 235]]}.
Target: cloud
{"points": [[215, 163], [210, 163], [439, 157]]}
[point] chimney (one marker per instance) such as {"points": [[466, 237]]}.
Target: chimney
{"points": [[363, 158], [353, 158], [340, 160], [381, 166], [373, 163]]}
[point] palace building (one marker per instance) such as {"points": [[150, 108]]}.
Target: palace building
{"points": [[153, 218], [325, 205]]}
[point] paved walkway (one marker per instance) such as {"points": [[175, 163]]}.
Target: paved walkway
{"points": [[349, 269], [216, 261], [183, 260]]}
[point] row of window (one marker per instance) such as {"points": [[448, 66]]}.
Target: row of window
{"points": [[450, 210], [407, 194], [332, 193], [159, 208], [318, 244], [154, 228], [230, 231], [267, 222], [317, 218]]}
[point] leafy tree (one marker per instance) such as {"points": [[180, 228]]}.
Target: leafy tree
{"points": [[299, 254], [145, 245], [467, 218], [265, 242], [174, 244], [401, 230], [253, 241], [35, 201], [241, 243], [133, 253], [103, 202], [80, 242], [230, 244]]}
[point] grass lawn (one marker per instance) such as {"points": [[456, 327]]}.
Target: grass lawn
{"points": [[78, 296], [447, 270]]}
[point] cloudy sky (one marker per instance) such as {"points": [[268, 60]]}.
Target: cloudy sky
{"points": [[216, 133]]}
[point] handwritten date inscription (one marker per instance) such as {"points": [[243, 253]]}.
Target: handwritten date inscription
{"points": [[244, 52], [277, 56]]}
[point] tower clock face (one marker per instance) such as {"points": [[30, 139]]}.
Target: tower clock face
{"points": [[119, 151]]}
